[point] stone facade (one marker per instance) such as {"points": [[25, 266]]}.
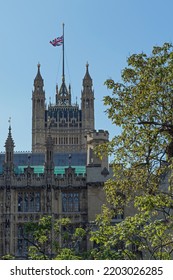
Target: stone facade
{"points": [[62, 176], [67, 122]]}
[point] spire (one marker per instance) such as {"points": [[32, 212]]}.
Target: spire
{"points": [[87, 101], [38, 81], [38, 112], [87, 81], [9, 151], [9, 142], [64, 96]]}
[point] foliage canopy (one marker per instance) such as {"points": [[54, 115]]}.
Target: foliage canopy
{"points": [[142, 105]]}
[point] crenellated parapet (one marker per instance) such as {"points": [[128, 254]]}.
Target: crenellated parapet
{"points": [[95, 138]]}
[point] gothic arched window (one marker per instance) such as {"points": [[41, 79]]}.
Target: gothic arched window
{"points": [[70, 202], [29, 202]]}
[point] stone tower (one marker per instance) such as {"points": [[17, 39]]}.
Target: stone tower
{"points": [[68, 124], [87, 102], [38, 114], [95, 138]]}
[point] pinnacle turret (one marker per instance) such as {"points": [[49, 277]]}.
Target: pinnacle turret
{"points": [[9, 142], [9, 152], [63, 96], [38, 112], [87, 81], [38, 81], [87, 102]]}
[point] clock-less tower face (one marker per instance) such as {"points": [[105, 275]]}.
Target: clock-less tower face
{"points": [[63, 96], [68, 123], [64, 102]]}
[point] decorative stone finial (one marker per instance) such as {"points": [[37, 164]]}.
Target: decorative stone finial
{"points": [[9, 121]]}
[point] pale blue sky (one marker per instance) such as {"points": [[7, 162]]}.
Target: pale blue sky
{"points": [[101, 32]]}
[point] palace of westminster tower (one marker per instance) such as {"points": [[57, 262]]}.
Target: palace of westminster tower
{"points": [[68, 123], [62, 176]]}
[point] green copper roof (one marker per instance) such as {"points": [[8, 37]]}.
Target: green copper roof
{"points": [[58, 170]]}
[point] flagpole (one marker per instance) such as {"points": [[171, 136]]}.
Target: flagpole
{"points": [[63, 74]]}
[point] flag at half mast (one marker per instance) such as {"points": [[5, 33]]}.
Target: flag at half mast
{"points": [[57, 41]]}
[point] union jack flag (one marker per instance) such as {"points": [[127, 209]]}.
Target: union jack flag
{"points": [[57, 41]]}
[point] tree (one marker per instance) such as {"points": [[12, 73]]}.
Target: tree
{"points": [[142, 105], [45, 239]]}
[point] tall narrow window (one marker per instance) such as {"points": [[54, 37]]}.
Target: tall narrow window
{"points": [[31, 201], [26, 202], [70, 202], [64, 203], [37, 202], [76, 202], [20, 202]]}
